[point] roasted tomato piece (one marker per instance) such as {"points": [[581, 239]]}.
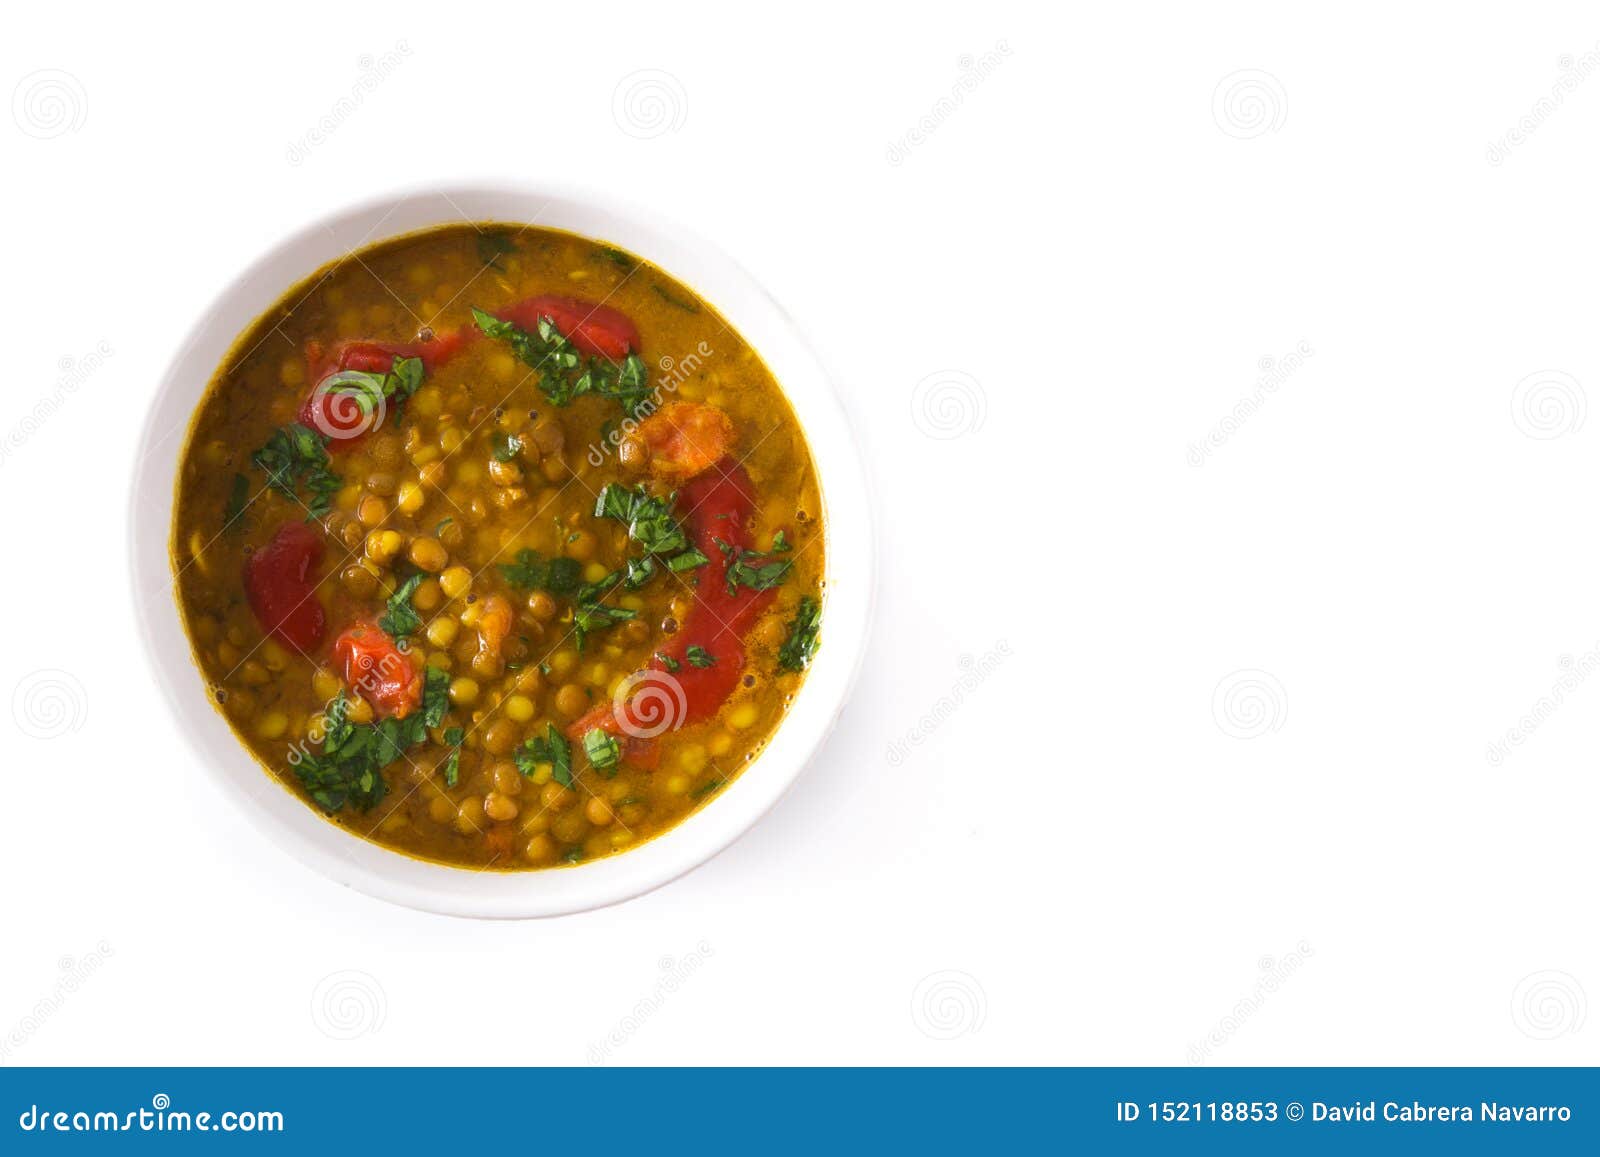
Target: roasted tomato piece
{"points": [[278, 585], [377, 670], [717, 505], [342, 417], [597, 330], [685, 439]]}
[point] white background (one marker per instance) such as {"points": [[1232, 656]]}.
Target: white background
{"points": [[1085, 263]]}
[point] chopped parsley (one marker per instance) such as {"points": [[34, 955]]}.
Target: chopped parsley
{"points": [[494, 245], [595, 617], [564, 372], [532, 571], [551, 748], [603, 750], [698, 656], [707, 787], [780, 543], [506, 446], [667, 661], [618, 258], [746, 568], [649, 520], [801, 644], [238, 499], [295, 458], [671, 298], [349, 768], [454, 736], [401, 618]]}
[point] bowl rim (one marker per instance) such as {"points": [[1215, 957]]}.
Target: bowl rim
{"points": [[287, 819]]}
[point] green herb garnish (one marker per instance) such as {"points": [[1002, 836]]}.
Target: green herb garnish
{"points": [[668, 662], [238, 499], [780, 543], [671, 298], [707, 788], [494, 245], [801, 644], [603, 750], [565, 373], [506, 446], [698, 656], [746, 568], [551, 748], [649, 520], [532, 571], [595, 617], [295, 458], [401, 618], [454, 736]]}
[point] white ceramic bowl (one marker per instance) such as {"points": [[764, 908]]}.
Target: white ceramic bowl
{"points": [[287, 819]]}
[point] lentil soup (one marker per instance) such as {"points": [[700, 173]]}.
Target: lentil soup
{"points": [[499, 546]]}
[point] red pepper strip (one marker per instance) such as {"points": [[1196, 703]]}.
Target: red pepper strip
{"points": [[377, 670], [280, 590], [597, 330], [342, 422], [716, 505]]}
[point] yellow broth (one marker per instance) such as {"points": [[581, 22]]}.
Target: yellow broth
{"points": [[479, 467]]}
